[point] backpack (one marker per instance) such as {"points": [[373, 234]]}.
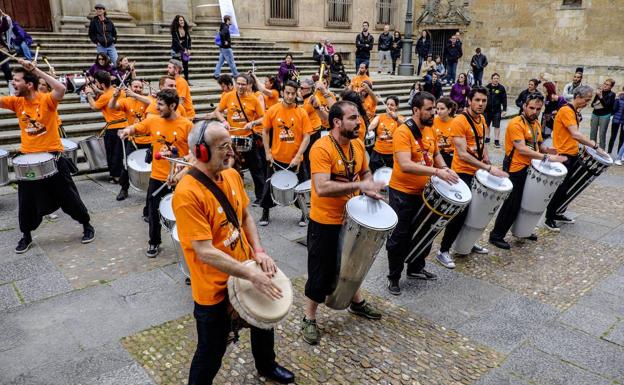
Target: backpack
{"points": [[217, 38]]}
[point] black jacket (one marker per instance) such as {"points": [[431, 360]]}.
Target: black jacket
{"points": [[453, 52], [395, 52], [423, 47], [226, 40], [497, 98], [478, 62], [180, 44], [522, 98], [433, 88], [385, 41], [363, 45], [608, 100], [102, 32]]}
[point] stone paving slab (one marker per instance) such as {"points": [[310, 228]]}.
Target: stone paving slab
{"points": [[402, 348], [8, 297], [24, 267], [43, 286], [499, 377], [591, 321], [616, 334], [129, 375]]}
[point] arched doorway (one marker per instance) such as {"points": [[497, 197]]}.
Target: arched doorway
{"points": [[33, 15]]}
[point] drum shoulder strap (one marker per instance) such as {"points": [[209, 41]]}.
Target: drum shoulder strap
{"points": [[476, 135], [230, 213], [241, 107], [418, 137]]}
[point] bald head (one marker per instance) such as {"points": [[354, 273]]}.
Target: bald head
{"points": [[212, 129]]}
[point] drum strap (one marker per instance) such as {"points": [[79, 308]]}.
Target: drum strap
{"points": [[479, 154], [418, 137], [241, 107], [578, 124], [230, 213]]}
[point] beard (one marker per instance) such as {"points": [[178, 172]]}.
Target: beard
{"points": [[531, 118], [428, 122], [349, 134]]}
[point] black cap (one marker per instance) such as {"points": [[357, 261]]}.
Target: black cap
{"points": [[579, 70]]}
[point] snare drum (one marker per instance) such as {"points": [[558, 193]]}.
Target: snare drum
{"points": [[488, 195], [256, 308], [179, 252], [242, 143], [35, 166], [165, 210], [283, 183], [95, 152], [302, 191], [369, 139], [4, 167], [442, 202], [138, 170], [70, 149], [383, 174]]}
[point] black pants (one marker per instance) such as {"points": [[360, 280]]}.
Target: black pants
{"points": [[448, 157], [306, 155], [511, 207], [615, 128], [114, 152], [398, 245], [256, 164], [323, 260], [267, 200], [42, 197], [454, 225], [394, 61], [153, 203], [560, 194], [185, 69], [213, 325], [378, 160]]}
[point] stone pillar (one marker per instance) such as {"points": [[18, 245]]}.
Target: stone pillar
{"points": [[207, 16], [117, 11], [71, 15]]}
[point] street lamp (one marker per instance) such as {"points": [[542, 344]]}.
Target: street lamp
{"points": [[406, 68]]}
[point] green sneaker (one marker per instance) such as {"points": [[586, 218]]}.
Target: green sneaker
{"points": [[364, 310], [310, 331]]}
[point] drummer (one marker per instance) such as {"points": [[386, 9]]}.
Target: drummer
{"points": [[165, 83], [523, 142], [339, 172], [184, 91], [215, 242], [417, 157], [168, 133], [445, 112], [286, 135], [566, 138], [317, 100], [384, 125], [38, 120], [471, 154]]}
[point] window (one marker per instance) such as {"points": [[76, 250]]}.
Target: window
{"points": [[385, 13], [339, 13], [282, 12], [572, 3]]}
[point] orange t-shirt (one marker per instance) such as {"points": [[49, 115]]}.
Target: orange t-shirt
{"points": [[562, 139], [152, 109], [442, 131], [269, 101], [362, 129], [325, 159], [165, 134], [235, 116], [461, 128], [289, 125], [200, 217], [315, 119], [371, 107], [357, 81], [404, 141], [38, 121], [111, 115], [384, 134], [322, 101], [184, 91], [135, 112], [518, 129]]}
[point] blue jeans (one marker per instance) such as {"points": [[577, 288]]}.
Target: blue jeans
{"points": [[226, 54], [111, 52], [360, 60], [420, 61], [451, 70], [620, 155], [24, 50]]}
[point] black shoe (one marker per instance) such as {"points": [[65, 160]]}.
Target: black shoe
{"points": [[279, 374], [256, 203], [123, 194], [496, 144], [531, 237], [500, 243], [88, 234], [487, 140], [215, 77], [423, 274], [152, 251], [187, 281], [563, 219], [23, 245], [145, 219], [264, 220], [551, 225], [393, 287]]}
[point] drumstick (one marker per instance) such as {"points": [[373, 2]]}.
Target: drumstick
{"points": [[36, 53], [253, 66], [159, 156], [123, 149]]}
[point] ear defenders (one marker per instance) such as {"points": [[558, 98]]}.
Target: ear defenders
{"points": [[202, 150]]}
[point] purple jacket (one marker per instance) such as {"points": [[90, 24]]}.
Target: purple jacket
{"points": [[97, 68], [457, 96], [282, 74]]}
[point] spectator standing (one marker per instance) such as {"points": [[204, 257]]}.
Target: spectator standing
{"points": [[383, 49], [460, 91], [552, 103], [601, 116], [568, 90], [617, 125], [478, 63], [452, 52], [423, 48], [364, 42], [103, 34], [181, 43], [495, 109], [531, 89], [225, 48], [395, 51]]}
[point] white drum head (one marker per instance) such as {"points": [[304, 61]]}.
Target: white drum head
{"points": [[174, 234], [136, 161], [3, 153], [284, 180], [370, 135], [459, 192], [554, 169], [493, 182], [35, 158], [371, 213], [607, 161], [303, 187], [166, 207], [69, 145], [324, 133], [383, 174]]}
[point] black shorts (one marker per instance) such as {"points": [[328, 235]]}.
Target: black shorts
{"points": [[493, 118], [323, 260]]}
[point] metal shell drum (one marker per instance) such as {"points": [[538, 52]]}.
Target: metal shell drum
{"points": [[303, 193], [283, 183], [165, 210], [383, 174], [255, 307], [543, 179], [242, 143], [70, 149], [35, 166], [4, 167], [369, 139], [94, 152], [443, 201], [179, 252], [488, 195], [367, 224], [138, 170]]}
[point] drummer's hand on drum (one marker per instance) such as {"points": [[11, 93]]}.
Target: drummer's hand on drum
{"points": [[602, 152], [266, 263], [249, 126], [557, 158], [269, 157], [262, 281], [294, 164], [447, 175], [498, 172], [371, 188], [123, 134]]}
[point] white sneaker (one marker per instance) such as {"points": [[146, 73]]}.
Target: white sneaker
{"points": [[479, 249], [618, 162], [445, 259]]}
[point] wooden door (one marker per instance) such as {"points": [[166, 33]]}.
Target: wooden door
{"points": [[33, 15]]}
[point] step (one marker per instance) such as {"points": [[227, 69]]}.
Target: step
{"points": [[164, 57]]}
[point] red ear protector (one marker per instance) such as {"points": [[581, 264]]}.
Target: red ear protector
{"points": [[202, 150]]}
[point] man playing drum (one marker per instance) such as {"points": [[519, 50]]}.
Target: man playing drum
{"points": [[184, 91], [286, 135], [38, 120], [169, 133], [416, 157], [523, 142], [165, 83], [566, 138], [339, 172], [217, 234], [471, 154]]}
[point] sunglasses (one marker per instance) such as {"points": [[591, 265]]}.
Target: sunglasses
{"points": [[535, 96]]}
